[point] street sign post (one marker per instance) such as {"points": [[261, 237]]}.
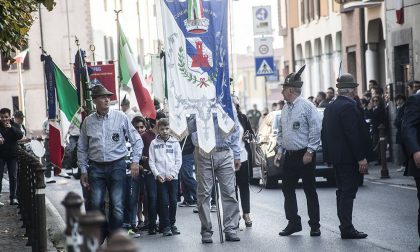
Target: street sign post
{"points": [[262, 20]]}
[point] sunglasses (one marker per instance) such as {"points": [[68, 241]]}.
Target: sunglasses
{"points": [[375, 101]]}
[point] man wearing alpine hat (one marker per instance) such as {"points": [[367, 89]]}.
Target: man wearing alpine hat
{"points": [[101, 155], [346, 145], [298, 138]]}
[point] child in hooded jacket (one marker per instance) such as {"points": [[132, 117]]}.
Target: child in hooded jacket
{"points": [[165, 159]]}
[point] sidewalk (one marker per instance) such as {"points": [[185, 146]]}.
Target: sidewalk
{"points": [[11, 234], [396, 178]]}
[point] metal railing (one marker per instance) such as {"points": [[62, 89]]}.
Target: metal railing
{"points": [[31, 196], [84, 232]]}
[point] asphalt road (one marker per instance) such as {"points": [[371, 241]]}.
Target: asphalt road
{"points": [[386, 212]]}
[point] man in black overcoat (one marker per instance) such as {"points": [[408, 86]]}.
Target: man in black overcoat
{"points": [[346, 145], [410, 132]]}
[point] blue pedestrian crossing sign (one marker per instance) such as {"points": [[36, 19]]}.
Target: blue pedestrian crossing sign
{"points": [[264, 66]]}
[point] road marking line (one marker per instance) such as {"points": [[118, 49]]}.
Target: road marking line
{"points": [[405, 187], [378, 183]]}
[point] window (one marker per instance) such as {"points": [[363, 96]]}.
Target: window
{"points": [[15, 104], [106, 48], [302, 12], [5, 66], [317, 9], [111, 47], [311, 10]]}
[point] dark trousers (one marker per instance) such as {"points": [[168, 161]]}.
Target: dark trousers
{"points": [[12, 171], [417, 179], [150, 183], [132, 192], [167, 192], [187, 176], [292, 171], [243, 185], [348, 178]]}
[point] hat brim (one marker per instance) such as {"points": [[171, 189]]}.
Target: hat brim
{"points": [[104, 94]]}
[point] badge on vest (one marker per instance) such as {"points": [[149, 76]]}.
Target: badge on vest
{"points": [[116, 137], [296, 125]]}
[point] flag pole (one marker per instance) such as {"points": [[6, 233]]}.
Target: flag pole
{"points": [[117, 12], [21, 91]]}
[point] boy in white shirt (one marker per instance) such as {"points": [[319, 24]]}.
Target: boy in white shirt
{"points": [[165, 159]]}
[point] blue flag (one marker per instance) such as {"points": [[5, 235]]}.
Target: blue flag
{"points": [[197, 66]]}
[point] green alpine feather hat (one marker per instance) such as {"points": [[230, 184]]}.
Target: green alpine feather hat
{"points": [[346, 80], [293, 79]]}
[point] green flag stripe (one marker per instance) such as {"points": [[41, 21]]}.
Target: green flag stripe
{"points": [[66, 94]]}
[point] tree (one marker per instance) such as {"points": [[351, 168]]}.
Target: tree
{"points": [[15, 22]]}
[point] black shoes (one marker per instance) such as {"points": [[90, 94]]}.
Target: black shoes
{"points": [[167, 232], [232, 237], [206, 238], [315, 232], [290, 229], [175, 230], [354, 234]]}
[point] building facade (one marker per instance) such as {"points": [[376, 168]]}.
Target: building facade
{"points": [[313, 33], [93, 23]]}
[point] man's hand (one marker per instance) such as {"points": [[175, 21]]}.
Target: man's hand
{"points": [[169, 178], [84, 180], [141, 168], [134, 167], [160, 179], [277, 159], [307, 158], [416, 157], [363, 166], [237, 163]]}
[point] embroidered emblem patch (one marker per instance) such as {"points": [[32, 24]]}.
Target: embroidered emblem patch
{"points": [[116, 137], [296, 125]]}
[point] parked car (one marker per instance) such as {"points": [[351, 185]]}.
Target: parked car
{"points": [[267, 135]]}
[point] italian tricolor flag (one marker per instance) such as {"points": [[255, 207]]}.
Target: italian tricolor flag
{"points": [[70, 115], [130, 77]]}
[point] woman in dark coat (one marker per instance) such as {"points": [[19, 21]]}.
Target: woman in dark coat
{"points": [[242, 176]]}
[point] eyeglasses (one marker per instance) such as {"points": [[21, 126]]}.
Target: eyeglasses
{"points": [[375, 101]]}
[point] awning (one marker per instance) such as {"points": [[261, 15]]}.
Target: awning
{"points": [[351, 5]]}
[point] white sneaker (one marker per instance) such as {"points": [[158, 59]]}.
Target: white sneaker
{"points": [[1, 204], [64, 174], [49, 180], [401, 169], [132, 233]]}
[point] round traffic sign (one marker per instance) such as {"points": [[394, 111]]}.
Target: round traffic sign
{"points": [[263, 49]]}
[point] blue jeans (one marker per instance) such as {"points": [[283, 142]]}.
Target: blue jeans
{"points": [[150, 182], [132, 192], [190, 184], [111, 177], [167, 192]]}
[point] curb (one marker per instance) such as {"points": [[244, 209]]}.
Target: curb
{"points": [[55, 226]]}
